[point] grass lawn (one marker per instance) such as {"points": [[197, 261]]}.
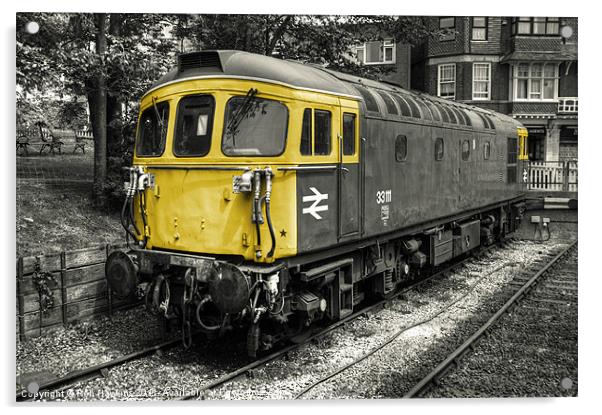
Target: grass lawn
{"points": [[54, 206]]}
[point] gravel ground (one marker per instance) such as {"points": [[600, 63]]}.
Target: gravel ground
{"points": [[385, 374], [85, 344], [532, 351]]}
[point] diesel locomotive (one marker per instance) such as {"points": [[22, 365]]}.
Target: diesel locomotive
{"points": [[268, 195]]}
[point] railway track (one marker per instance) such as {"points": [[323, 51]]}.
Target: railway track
{"points": [[541, 280], [75, 378], [78, 376], [232, 376]]}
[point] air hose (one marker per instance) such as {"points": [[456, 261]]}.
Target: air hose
{"points": [[272, 235], [268, 196]]}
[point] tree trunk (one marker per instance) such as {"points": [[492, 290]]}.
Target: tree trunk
{"points": [[114, 113], [97, 99]]}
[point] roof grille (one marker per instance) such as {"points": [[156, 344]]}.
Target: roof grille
{"points": [[195, 60]]}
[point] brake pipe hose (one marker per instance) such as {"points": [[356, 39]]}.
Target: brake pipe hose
{"points": [[268, 195]]}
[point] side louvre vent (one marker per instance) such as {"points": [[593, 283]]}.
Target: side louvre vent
{"points": [[209, 59]]}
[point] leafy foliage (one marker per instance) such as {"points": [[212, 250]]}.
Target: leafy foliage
{"points": [[68, 59]]}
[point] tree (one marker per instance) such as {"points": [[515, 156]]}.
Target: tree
{"points": [[108, 58], [112, 59]]}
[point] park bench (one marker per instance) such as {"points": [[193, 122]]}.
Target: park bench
{"points": [[36, 136], [75, 138], [52, 139]]}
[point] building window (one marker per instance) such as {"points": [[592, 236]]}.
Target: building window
{"points": [[446, 85], [536, 26], [479, 28], [535, 81], [447, 26], [447, 22], [481, 81], [376, 52]]}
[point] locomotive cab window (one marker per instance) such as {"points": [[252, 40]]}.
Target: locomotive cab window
{"points": [[152, 130], [194, 126], [306, 133], [465, 150], [348, 134], [254, 127], [511, 157], [401, 148], [439, 149], [322, 132]]}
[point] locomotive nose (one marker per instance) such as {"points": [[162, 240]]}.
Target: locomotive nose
{"points": [[121, 273]]}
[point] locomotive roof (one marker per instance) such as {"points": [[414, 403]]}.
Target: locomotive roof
{"points": [[240, 64], [234, 63]]}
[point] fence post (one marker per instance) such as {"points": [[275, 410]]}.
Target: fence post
{"points": [[63, 290], [19, 299], [109, 291]]}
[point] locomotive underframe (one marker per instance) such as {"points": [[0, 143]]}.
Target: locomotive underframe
{"points": [[280, 301]]}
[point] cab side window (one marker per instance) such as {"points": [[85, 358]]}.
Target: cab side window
{"points": [[348, 134], [322, 133], [306, 133]]}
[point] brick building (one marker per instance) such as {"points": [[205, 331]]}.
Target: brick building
{"points": [[522, 66]]}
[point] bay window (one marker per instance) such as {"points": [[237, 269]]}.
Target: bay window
{"points": [[535, 81]]}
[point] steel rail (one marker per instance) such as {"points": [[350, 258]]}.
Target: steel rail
{"points": [[92, 371], [435, 374], [282, 352]]}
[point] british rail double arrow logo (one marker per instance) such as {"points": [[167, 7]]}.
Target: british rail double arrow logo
{"points": [[316, 198]]}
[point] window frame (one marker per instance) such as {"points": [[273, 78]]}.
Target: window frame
{"points": [[530, 20], [440, 68], [224, 130], [225, 119], [467, 153], [473, 27], [439, 140], [164, 138], [487, 150], [210, 125], [488, 81], [399, 139], [354, 135], [512, 164], [388, 43], [313, 132], [329, 132], [447, 27], [529, 78]]}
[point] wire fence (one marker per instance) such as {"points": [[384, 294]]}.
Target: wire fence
{"points": [[55, 168]]}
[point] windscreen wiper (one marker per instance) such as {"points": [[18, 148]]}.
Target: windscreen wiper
{"points": [[240, 113], [159, 117]]}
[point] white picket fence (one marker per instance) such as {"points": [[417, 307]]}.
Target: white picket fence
{"points": [[553, 176]]}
